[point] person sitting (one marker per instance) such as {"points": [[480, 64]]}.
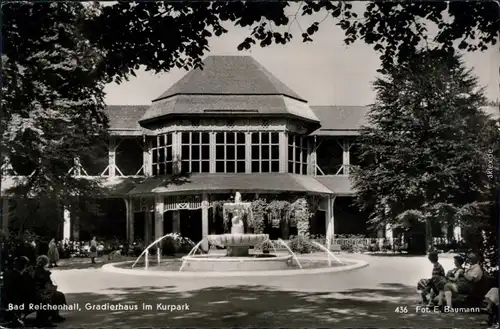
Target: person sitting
{"points": [[452, 276], [47, 292], [16, 289], [429, 287], [465, 283], [492, 303]]}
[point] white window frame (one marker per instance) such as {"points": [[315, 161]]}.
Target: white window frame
{"points": [[270, 144], [200, 144]]}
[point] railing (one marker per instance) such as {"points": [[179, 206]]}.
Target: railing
{"points": [[353, 243]]}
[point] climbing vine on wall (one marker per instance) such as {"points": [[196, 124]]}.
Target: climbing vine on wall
{"points": [[259, 209], [217, 210], [301, 214], [279, 212]]}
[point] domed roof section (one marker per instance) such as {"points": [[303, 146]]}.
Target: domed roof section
{"points": [[230, 75], [229, 85]]}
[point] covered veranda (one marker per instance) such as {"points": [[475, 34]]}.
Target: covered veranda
{"points": [[158, 196], [155, 206]]}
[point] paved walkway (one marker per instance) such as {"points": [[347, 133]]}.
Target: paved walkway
{"points": [[367, 297]]}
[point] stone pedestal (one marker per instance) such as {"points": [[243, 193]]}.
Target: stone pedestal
{"points": [[238, 251], [204, 221]]}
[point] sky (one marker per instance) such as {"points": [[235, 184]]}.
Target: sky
{"points": [[324, 72]]}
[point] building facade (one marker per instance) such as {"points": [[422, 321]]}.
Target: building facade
{"points": [[232, 126]]}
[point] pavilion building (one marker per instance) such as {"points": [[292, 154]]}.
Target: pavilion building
{"points": [[232, 126]]}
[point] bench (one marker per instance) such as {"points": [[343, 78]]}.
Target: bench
{"points": [[476, 298]]}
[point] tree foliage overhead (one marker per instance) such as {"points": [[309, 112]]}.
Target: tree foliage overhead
{"points": [[394, 29], [429, 146]]}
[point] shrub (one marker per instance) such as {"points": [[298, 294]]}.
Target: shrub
{"points": [[168, 247], [300, 246], [137, 250]]}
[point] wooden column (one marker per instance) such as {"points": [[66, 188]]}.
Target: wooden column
{"points": [[159, 210], [204, 220], [5, 214], [212, 151], [130, 220], [457, 233], [310, 150], [248, 152], [346, 156], [148, 225], [311, 165], [330, 220], [147, 156], [112, 157], [176, 152], [67, 224], [75, 227], [176, 221], [283, 152]]}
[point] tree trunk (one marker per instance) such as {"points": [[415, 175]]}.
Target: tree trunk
{"points": [[428, 234]]}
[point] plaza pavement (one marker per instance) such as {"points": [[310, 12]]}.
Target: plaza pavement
{"points": [[366, 297]]}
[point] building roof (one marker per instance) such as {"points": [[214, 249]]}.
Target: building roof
{"points": [[229, 75], [230, 182], [340, 120], [229, 85], [339, 185], [236, 105], [197, 183], [125, 118], [334, 120]]}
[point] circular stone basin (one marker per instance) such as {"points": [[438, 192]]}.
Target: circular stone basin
{"points": [[217, 263], [237, 240], [174, 265]]}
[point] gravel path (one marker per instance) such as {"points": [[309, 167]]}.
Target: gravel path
{"points": [[366, 297]]}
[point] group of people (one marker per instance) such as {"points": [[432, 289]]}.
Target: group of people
{"points": [[25, 284], [53, 251], [442, 287]]}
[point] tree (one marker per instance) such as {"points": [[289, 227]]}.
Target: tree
{"points": [[428, 147], [52, 105]]}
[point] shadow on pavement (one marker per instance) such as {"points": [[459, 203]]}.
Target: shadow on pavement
{"points": [[85, 263], [260, 306]]}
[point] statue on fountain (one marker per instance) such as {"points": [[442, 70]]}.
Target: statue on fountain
{"points": [[237, 197], [237, 226]]}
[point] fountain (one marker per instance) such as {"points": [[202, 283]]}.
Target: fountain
{"points": [[243, 255], [238, 243]]}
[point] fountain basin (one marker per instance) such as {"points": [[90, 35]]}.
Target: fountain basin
{"points": [[237, 240], [218, 263]]}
